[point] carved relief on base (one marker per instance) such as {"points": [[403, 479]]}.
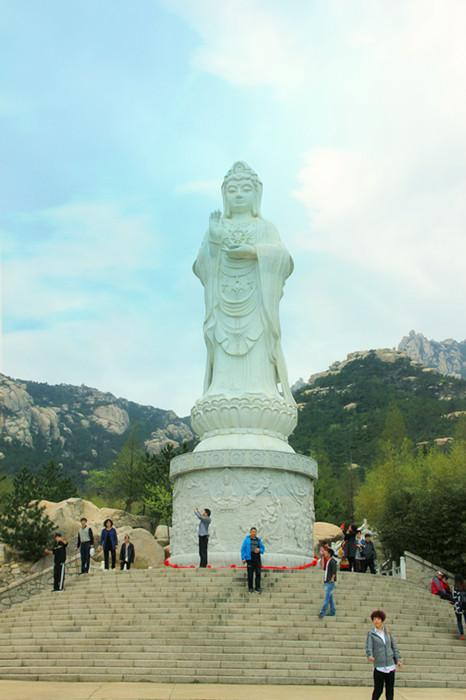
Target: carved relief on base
{"points": [[279, 503]]}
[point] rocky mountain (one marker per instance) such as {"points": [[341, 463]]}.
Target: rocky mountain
{"points": [[79, 426], [344, 411], [447, 356]]}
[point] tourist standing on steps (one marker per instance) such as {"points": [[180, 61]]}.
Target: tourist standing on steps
{"points": [[203, 532], [251, 551], [382, 651], [370, 555], [109, 541], [350, 546], [330, 577], [59, 558], [127, 554], [459, 602], [84, 544], [359, 562]]}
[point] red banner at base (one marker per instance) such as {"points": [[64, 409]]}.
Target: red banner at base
{"points": [[167, 562]]}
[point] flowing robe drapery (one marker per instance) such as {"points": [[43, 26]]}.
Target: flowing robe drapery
{"points": [[262, 345]]}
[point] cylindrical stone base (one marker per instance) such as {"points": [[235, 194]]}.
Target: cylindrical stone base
{"points": [[270, 490]]}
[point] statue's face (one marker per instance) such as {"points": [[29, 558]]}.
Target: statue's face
{"points": [[240, 195]]}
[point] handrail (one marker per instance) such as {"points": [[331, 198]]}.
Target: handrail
{"points": [[18, 591]]}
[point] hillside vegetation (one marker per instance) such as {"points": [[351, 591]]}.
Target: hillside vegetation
{"points": [[346, 412]]}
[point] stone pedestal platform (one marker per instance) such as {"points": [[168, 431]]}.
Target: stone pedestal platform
{"points": [[267, 489]]}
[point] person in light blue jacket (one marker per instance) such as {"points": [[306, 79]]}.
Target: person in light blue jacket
{"points": [[251, 551]]}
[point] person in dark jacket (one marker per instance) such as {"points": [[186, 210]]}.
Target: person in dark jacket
{"points": [[330, 577], [126, 554], [84, 544], [382, 651], [459, 602], [251, 551], [59, 558], [350, 546], [109, 541], [369, 554]]}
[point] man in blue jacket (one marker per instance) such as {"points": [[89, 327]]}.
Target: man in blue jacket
{"points": [[251, 551]]}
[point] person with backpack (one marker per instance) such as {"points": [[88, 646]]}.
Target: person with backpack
{"points": [[360, 559], [459, 603], [383, 653], [84, 544]]}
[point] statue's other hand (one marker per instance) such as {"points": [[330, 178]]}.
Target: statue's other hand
{"points": [[241, 252]]}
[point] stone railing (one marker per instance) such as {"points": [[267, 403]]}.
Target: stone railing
{"points": [[35, 583], [420, 571]]}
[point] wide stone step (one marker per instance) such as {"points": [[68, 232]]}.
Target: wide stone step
{"points": [[318, 654], [194, 665], [226, 623], [305, 675], [254, 680], [331, 633]]}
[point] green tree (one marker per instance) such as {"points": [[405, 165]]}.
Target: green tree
{"points": [[52, 484], [158, 492], [394, 430], [23, 524], [417, 502], [124, 481], [328, 501]]}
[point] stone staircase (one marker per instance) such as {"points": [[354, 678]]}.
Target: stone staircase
{"points": [[202, 626]]}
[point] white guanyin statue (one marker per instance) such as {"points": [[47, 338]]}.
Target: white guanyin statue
{"points": [[243, 266]]}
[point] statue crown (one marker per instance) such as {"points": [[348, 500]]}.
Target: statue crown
{"points": [[242, 171]]}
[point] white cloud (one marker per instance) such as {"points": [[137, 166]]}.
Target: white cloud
{"points": [[73, 248], [388, 196], [381, 213], [123, 353], [249, 43], [206, 187]]}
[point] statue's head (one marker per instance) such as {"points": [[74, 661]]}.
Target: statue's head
{"points": [[241, 190]]}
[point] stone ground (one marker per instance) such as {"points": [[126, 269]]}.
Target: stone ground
{"points": [[30, 690]]}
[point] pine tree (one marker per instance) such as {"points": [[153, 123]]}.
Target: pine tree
{"points": [[52, 484], [158, 493], [23, 524]]}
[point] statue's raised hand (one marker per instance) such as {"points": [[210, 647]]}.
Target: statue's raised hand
{"points": [[215, 227]]}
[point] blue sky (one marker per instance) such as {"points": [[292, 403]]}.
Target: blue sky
{"points": [[118, 121]]}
